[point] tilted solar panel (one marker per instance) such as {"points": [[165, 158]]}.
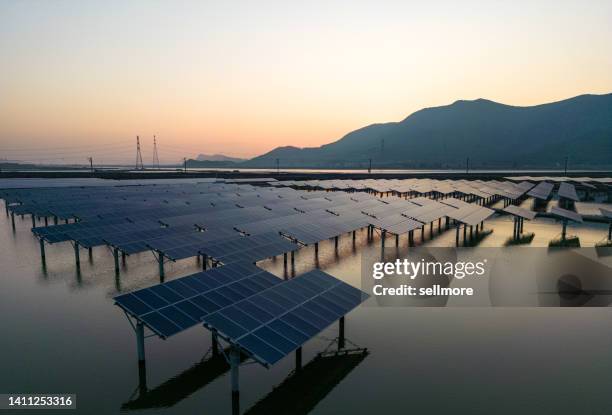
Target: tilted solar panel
{"points": [[273, 323], [177, 305]]}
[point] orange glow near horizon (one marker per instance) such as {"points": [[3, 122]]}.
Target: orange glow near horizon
{"points": [[242, 79]]}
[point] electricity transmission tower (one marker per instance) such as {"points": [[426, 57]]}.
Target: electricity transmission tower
{"points": [[139, 165], [155, 156]]}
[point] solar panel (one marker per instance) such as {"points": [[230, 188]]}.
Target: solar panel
{"points": [[177, 305], [568, 191], [478, 216], [273, 323], [520, 212], [541, 191], [566, 214]]}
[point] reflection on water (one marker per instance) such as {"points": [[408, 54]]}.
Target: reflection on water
{"points": [[62, 334]]}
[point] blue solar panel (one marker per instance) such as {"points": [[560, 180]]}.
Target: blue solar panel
{"points": [[271, 324], [176, 305]]}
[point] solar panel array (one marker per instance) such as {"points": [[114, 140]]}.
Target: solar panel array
{"points": [[228, 222], [478, 188]]}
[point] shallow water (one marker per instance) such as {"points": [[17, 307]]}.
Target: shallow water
{"points": [[62, 334]]}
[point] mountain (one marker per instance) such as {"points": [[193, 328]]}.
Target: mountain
{"points": [[217, 157], [491, 134]]}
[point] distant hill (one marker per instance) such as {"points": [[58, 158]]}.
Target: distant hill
{"points": [[491, 134], [218, 157]]}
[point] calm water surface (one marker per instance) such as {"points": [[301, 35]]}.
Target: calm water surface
{"points": [[61, 333]]}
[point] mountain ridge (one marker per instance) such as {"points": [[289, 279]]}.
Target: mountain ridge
{"points": [[492, 134]]}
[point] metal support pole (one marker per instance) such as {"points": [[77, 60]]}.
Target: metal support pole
{"points": [[77, 257], [90, 252], [140, 341], [396, 240], [316, 249], [610, 231], [42, 250], [292, 259], [447, 222], [55, 220], [564, 230], [160, 260], [471, 232], [13, 219], [142, 378], [285, 260], [46, 221], [215, 344], [353, 236], [457, 235], [341, 333], [382, 238], [298, 359], [204, 262], [522, 222], [33, 221], [423, 233], [116, 259], [235, 366], [464, 233], [336, 243], [431, 230]]}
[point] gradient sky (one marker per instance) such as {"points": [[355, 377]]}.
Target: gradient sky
{"points": [[85, 77]]}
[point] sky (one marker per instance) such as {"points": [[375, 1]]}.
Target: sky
{"points": [[84, 78]]}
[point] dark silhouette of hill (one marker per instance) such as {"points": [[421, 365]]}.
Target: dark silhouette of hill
{"points": [[491, 134]]}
